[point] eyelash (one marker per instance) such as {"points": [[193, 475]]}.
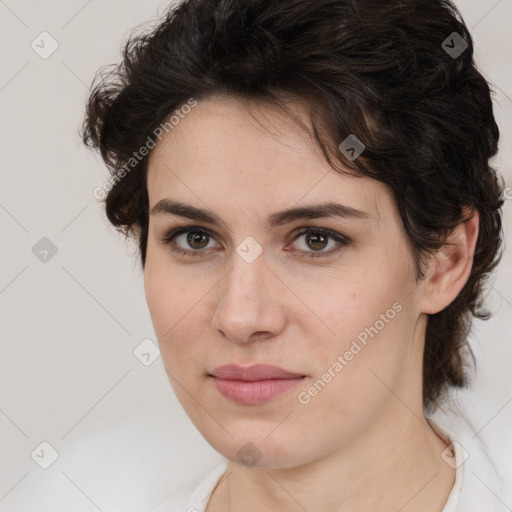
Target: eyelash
{"points": [[342, 240]]}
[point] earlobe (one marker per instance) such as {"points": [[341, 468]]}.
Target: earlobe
{"points": [[451, 266]]}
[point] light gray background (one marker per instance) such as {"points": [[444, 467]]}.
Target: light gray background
{"points": [[69, 326]]}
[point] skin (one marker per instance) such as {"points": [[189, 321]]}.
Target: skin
{"points": [[362, 443]]}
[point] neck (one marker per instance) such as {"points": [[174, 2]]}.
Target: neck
{"points": [[395, 465]]}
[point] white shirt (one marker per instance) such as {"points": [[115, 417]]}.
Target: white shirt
{"points": [[477, 487]]}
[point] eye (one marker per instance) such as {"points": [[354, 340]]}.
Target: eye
{"points": [[195, 237], [317, 239], [198, 239]]}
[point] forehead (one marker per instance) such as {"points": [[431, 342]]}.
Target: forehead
{"points": [[228, 130], [251, 155]]}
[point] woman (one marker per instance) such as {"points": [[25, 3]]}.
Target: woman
{"points": [[310, 188]]}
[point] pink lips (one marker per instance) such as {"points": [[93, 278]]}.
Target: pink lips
{"points": [[254, 384]]}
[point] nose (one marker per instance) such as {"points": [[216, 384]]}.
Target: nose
{"points": [[249, 302]]}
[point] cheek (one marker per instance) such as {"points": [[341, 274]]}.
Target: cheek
{"points": [[161, 301], [175, 306], [370, 328], [166, 300], [167, 293], [359, 302]]}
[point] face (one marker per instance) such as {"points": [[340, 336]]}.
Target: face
{"points": [[337, 304]]}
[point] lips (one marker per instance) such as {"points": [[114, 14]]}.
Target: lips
{"points": [[253, 373], [253, 385]]}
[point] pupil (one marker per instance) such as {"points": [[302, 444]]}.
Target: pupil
{"points": [[194, 237], [316, 236]]}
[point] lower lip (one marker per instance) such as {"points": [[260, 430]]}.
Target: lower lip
{"points": [[256, 392]]}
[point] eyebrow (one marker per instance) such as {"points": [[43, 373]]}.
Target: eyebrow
{"points": [[329, 209]]}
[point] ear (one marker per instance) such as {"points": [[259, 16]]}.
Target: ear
{"points": [[450, 267]]}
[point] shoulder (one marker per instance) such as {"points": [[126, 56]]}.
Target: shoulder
{"points": [[478, 485], [193, 496]]}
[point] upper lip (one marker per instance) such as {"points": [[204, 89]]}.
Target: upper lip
{"points": [[253, 373]]}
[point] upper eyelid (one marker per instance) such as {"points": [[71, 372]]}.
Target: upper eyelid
{"points": [[183, 229]]}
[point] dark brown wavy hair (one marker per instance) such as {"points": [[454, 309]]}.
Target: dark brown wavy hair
{"points": [[378, 70]]}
